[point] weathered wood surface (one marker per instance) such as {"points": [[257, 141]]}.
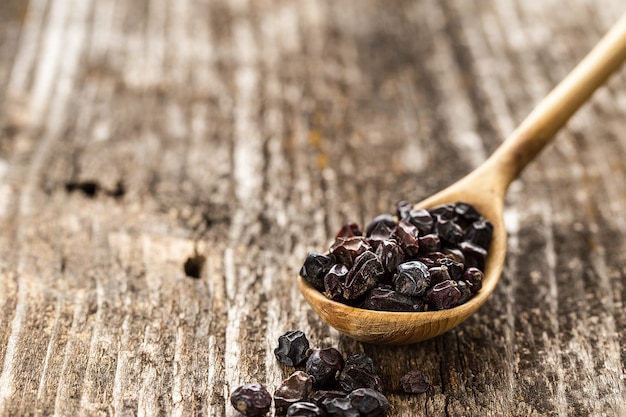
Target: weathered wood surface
{"points": [[135, 135]]}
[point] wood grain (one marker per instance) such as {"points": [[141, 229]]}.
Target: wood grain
{"points": [[239, 135]]}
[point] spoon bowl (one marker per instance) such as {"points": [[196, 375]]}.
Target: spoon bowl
{"points": [[484, 188]]}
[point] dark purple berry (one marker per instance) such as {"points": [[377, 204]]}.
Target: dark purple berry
{"points": [[438, 274], [443, 295], [340, 407], [369, 402], [412, 278], [385, 299], [475, 255], [316, 266], [415, 382], [455, 269], [321, 395], [474, 278], [298, 387], [466, 211], [390, 255], [359, 372], [406, 235], [449, 231], [251, 400], [444, 212], [324, 365], [466, 291], [292, 348], [429, 243], [364, 275], [346, 250], [305, 409], [479, 233], [335, 281], [455, 254], [385, 219], [421, 219]]}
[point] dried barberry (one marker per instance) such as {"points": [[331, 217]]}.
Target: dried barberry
{"points": [[406, 234], [324, 365], [363, 276], [340, 407], [412, 279], [359, 372], [335, 281], [415, 382], [386, 220], [421, 219], [345, 250], [479, 233], [316, 266], [369, 402], [443, 295], [386, 299], [292, 348], [390, 254], [298, 387], [251, 400], [305, 409]]}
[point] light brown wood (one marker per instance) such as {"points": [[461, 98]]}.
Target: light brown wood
{"points": [[485, 188], [144, 143]]}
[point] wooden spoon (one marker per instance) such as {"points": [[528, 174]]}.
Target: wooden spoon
{"points": [[485, 188]]}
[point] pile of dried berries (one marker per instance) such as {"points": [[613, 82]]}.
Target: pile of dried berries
{"points": [[329, 386], [429, 259]]}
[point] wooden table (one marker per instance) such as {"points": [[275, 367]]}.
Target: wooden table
{"points": [[137, 137]]}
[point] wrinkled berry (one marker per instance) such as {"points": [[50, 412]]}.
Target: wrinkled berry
{"points": [[335, 281], [479, 233], [443, 295], [316, 266], [385, 219], [455, 269], [340, 407], [324, 365], [406, 234], [320, 396], [429, 242], [298, 387], [474, 278], [390, 254], [412, 278], [475, 255], [415, 382], [438, 274], [359, 372], [449, 231], [292, 348], [345, 250], [251, 399], [305, 409], [385, 299], [421, 219], [466, 211], [364, 275], [369, 402], [444, 212]]}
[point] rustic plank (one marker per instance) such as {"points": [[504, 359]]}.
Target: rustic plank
{"points": [[236, 136]]}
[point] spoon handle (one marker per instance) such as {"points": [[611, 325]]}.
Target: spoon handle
{"points": [[557, 107]]}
